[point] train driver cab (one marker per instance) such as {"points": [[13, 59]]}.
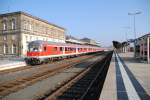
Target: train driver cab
{"points": [[34, 47]]}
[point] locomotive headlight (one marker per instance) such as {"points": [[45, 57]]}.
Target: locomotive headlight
{"points": [[40, 48]]}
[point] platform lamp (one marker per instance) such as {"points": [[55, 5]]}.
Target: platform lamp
{"points": [[134, 14]]}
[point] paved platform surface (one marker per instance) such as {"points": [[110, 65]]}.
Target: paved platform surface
{"points": [[127, 79], [9, 63]]}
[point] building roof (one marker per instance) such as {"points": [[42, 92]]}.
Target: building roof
{"points": [[29, 15], [146, 35], [86, 39], [58, 44]]}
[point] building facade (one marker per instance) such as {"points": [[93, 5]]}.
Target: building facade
{"points": [[143, 47], [125, 47], [17, 29], [89, 41], [72, 40], [84, 41]]}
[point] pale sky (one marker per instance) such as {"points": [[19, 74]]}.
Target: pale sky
{"points": [[101, 20]]}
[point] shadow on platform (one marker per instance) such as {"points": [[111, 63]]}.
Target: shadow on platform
{"points": [[129, 59]]}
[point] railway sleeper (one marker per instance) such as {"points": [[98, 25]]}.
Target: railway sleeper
{"points": [[74, 91], [72, 94], [77, 88], [88, 82], [68, 97]]}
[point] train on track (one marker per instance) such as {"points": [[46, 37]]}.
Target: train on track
{"points": [[44, 51]]}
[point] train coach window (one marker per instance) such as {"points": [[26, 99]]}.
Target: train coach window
{"points": [[44, 48], [68, 49], [74, 49], [65, 48], [61, 48], [55, 48]]}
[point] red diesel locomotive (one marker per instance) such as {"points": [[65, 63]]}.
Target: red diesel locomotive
{"points": [[43, 51]]}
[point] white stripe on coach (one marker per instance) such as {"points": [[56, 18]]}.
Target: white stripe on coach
{"points": [[131, 92], [58, 55]]}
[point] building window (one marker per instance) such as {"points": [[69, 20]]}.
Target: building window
{"points": [[25, 25], [4, 25], [13, 24], [30, 27], [26, 38], [36, 27], [27, 46], [5, 38], [46, 30], [5, 48], [14, 49], [14, 37], [36, 38], [30, 38]]}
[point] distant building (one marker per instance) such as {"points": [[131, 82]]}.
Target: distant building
{"points": [[84, 41], [89, 41], [17, 29], [125, 47], [73, 40]]}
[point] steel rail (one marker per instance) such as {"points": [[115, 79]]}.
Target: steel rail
{"points": [[23, 82], [66, 85]]}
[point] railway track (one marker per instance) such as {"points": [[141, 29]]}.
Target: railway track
{"points": [[86, 85], [13, 75], [29, 67], [20, 83]]}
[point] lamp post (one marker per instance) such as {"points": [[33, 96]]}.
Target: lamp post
{"points": [[134, 14], [126, 37], [126, 31]]}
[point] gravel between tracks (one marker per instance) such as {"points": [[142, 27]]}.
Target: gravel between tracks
{"points": [[28, 72], [41, 87]]}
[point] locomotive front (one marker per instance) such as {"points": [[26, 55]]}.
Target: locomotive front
{"points": [[33, 53]]}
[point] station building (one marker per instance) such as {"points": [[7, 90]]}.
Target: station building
{"points": [[17, 29], [125, 47], [72, 40], [85, 41], [89, 41], [143, 47]]}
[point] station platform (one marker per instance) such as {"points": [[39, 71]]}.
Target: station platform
{"points": [[127, 79], [6, 64]]}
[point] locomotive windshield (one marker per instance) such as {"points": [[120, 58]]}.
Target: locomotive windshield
{"points": [[34, 47]]}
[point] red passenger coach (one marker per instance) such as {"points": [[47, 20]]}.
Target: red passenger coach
{"points": [[43, 51]]}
